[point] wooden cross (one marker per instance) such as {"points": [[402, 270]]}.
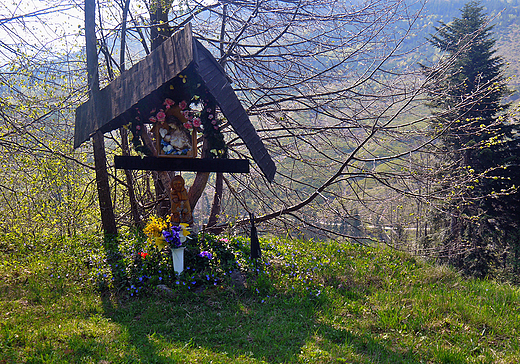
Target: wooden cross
{"points": [[148, 83]]}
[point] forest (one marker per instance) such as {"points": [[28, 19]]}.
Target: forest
{"points": [[388, 122]]}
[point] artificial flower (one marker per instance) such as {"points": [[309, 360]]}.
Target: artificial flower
{"points": [[161, 116], [185, 232], [171, 237], [160, 242], [183, 104], [168, 103], [196, 122]]}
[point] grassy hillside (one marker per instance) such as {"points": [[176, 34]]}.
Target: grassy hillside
{"points": [[310, 302]]}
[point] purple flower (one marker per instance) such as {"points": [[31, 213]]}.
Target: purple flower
{"points": [[172, 237], [206, 254]]}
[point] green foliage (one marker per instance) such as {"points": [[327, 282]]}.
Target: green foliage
{"points": [[310, 301], [472, 85], [49, 197], [480, 142], [139, 266]]}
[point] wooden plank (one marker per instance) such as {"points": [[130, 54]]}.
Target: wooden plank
{"points": [[182, 164], [216, 81], [135, 84]]}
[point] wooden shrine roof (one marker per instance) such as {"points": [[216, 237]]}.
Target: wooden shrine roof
{"points": [[141, 81]]}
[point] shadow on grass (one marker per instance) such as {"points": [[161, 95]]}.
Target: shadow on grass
{"points": [[226, 327]]}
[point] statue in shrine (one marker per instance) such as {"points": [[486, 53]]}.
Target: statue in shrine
{"points": [[180, 204]]}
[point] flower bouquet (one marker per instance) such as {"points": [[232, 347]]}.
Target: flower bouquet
{"points": [[175, 236], [163, 234], [154, 228]]}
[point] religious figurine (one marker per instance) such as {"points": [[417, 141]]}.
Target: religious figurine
{"points": [[180, 204], [174, 135]]}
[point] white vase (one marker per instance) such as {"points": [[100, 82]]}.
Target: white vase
{"points": [[178, 259]]}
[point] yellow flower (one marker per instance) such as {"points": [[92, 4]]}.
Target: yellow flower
{"points": [[155, 226], [185, 232], [160, 241]]}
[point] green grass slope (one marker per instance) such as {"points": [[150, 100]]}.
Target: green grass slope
{"points": [[311, 302]]}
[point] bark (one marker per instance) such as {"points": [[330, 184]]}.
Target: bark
{"points": [[217, 203], [108, 220], [219, 185], [160, 30], [134, 206], [200, 181]]}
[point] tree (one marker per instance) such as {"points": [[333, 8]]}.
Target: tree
{"points": [[108, 220], [46, 188], [478, 140], [314, 76], [320, 80]]}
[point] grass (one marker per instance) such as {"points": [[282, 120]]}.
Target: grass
{"points": [[312, 302]]}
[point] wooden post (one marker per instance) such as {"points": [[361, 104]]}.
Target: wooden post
{"points": [[108, 220]]}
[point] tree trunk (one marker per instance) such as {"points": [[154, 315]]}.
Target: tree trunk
{"points": [[134, 206], [160, 29], [217, 203], [108, 220]]}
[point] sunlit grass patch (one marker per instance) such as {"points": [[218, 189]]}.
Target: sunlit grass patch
{"points": [[308, 301]]}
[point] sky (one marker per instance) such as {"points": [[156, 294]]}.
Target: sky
{"points": [[39, 28]]}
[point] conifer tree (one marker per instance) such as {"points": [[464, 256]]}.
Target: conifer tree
{"points": [[477, 140]]}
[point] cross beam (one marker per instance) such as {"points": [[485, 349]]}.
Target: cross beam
{"points": [[182, 164]]}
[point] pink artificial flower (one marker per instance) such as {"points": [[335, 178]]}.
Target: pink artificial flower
{"points": [[186, 114], [210, 116], [214, 122], [183, 104], [196, 122], [168, 103], [188, 125], [215, 127], [138, 127], [153, 119], [161, 116], [208, 109]]}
